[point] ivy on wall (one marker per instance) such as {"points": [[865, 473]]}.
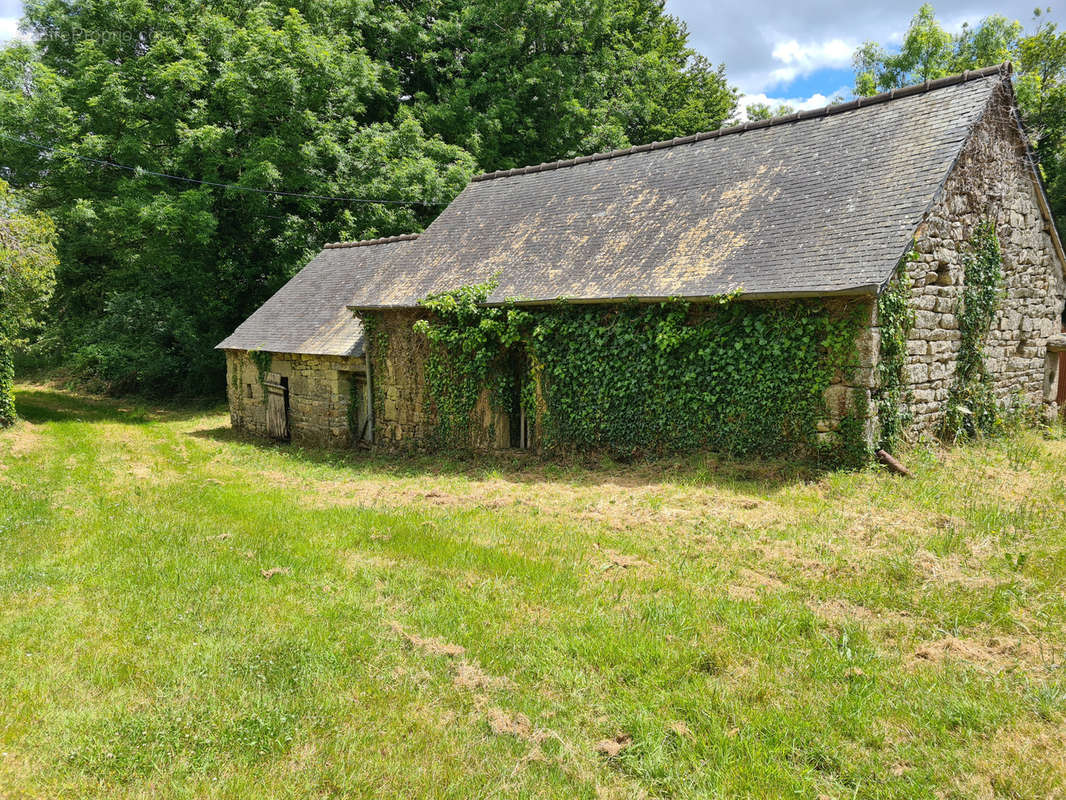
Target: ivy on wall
{"points": [[639, 378], [377, 350], [262, 361], [472, 347], [896, 318], [972, 407], [730, 376]]}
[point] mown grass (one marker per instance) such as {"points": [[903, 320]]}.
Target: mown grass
{"points": [[699, 628]]}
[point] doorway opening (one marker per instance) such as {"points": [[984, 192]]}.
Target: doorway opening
{"points": [[277, 391], [359, 427], [521, 428]]}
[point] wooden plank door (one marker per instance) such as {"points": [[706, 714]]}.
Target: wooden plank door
{"points": [[277, 391]]}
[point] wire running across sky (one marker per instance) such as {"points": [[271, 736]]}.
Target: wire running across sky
{"points": [[43, 147]]}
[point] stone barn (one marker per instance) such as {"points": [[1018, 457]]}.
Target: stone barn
{"points": [[859, 273], [296, 368]]}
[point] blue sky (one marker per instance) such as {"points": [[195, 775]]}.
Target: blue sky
{"points": [[799, 52]]}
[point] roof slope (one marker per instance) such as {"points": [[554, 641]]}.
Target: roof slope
{"points": [[309, 314], [815, 203]]}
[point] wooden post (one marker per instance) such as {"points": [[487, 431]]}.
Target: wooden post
{"points": [[893, 464]]}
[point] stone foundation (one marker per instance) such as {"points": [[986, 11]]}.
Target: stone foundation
{"points": [[320, 390]]}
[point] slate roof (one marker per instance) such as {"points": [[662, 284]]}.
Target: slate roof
{"points": [[309, 314], [815, 203]]}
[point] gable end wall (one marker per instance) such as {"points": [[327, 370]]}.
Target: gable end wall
{"points": [[991, 179]]}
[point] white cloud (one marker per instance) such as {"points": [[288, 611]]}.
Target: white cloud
{"points": [[9, 29], [764, 42], [817, 100], [791, 60], [833, 53]]}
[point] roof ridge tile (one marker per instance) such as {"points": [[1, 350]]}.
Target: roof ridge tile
{"points": [[404, 237]]}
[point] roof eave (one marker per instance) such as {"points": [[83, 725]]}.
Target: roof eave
{"points": [[865, 290]]}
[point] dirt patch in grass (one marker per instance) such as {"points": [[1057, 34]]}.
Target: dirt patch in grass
{"points": [[751, 584], [23, 438], [468, 675], [509, 723], [431, 644], [621, 502], [949, 569], [611, 748], [681, 729], [841, 612], [1001, 653], [616, 559], [357, 560], [270, 573]]}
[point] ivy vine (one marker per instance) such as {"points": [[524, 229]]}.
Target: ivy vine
{"points": [[730, 376], [473, 347], [376, 350], [262, 360], [644, 378], [7, 383], [896, 319], [972, 408]]}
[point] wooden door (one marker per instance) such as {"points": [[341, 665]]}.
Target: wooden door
{"points": [[277, 391]]}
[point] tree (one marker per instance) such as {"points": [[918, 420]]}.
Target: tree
{"points": [[27, 275], [153, 272], [1039, 57], [339, 101], [927, 53], [518, 82], [761, 111]]}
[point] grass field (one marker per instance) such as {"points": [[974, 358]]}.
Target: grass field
{"points": [[186, 613]]}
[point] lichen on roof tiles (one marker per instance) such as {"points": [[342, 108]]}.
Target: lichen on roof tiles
{"points": [[815, 203], [309, 314]]}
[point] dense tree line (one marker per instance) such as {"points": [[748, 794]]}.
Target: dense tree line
{"points": [[27, 276], [315, 120], [348, 100]]}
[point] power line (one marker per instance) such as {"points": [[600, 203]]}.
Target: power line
{"points": [[277, 193]]}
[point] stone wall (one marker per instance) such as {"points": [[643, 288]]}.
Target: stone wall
{"points": [[990, 181], [403, 420], [319, 395], [397, 379], [852, 390]]}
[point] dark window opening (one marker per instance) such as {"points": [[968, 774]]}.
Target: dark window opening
{"points": [[943, 274], [248, 390]]}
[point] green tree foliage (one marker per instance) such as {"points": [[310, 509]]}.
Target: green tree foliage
{"points": [[398, 102], [154, 272], [1039, 58], [27, 275], [760, 111], [519, 82]]}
